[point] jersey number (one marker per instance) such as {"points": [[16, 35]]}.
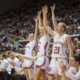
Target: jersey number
{"points": [[38, 47], [56, 49]]}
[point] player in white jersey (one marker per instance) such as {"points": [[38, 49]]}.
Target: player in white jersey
{"points": [[3, 62], [42, 60], [28, 52], [13, 62], [28, 59], [73, 73], [62, 42], [27, 63], [42, 52]]}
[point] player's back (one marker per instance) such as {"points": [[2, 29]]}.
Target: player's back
{"points": [[43, 45]]}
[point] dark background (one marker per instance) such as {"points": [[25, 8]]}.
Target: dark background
{"points": [[7, 5]]}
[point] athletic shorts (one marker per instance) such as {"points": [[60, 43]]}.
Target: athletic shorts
{"points": [[42, 62], [54, 66], [27, 64]]}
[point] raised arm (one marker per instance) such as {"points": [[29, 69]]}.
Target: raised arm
{"points": [[53, 17], [40, 20], [36, 28], [45, 21]]}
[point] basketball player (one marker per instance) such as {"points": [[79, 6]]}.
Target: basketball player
{"points": [[73, 73], [62, 43], [13, 61], [28, 59], [42, 60], [3, 62]]}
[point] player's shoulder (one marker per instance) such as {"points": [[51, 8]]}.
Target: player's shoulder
{"points": [[16, 59], [66, 36], [8, 59], [33, 41], [5, 60], [28, 43]]}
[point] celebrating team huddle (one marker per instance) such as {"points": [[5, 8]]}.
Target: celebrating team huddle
{"points": [[37, 63]]}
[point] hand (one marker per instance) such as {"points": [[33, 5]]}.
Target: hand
{"points": [[45, 9], [53, 7], [39, 13], [62, 66], [21, 58]]}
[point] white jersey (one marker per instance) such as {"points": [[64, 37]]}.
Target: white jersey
{"points": [[73, 76], [15, 60], [29, 48], [59, 46], [78, 75], [43, 45], [17, 65], [4, 64]]}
